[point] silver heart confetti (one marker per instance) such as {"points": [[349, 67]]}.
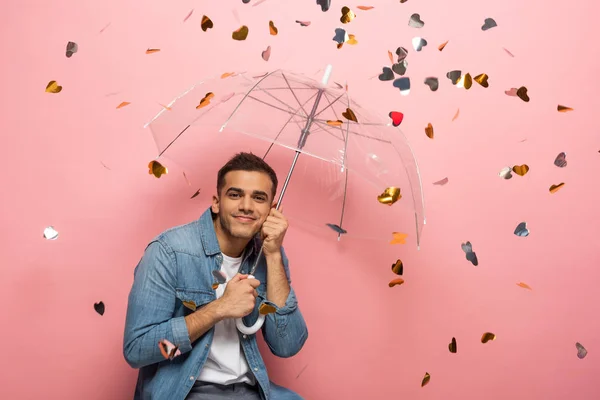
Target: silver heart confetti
{"points": [[432, 82], [418, 43], [415, 21], [521, 230], [400, 68], [581, 351], [561, 160], [489, 23], [50, 233], [470, 254], [403, 84]]}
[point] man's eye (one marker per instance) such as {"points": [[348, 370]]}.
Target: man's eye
{"points": [[260, 198], [233, 194]]}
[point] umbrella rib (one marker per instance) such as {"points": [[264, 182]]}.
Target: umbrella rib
{"points": [[330, 104], [274, 106], [293, 93]]}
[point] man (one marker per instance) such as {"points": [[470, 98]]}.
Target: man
{"points": [[172, 298]]}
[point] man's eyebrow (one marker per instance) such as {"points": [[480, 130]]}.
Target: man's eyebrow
{"points": [[256, 192]]}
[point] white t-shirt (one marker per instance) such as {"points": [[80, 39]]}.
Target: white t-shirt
{"points": [[226, 363]]}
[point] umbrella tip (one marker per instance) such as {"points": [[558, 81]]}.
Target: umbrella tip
{"points": [[327, 74]]}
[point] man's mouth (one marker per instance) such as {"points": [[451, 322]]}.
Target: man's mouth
{"points": [[244, 219]]}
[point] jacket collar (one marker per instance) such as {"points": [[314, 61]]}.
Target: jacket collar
{"points": [[210, 244]]}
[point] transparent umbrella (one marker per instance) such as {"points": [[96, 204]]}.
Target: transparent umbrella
{"points": [[354, 174]]}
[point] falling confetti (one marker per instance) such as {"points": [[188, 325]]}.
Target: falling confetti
{"points": [[157, 169], [337, 122], [581, 351], [325, 4], [403, 84], [470, 254], [454, 76], [399, 238], [505, 173], [205, 100], [397, 281], [105, 26], [337, 228], [486, 337], [508, 52], [301, 371], [266, 54], [398, 267], [482, 79], [71, 49], [342, 37], [152, 51], [240, 34], [524, 285], [168, 350], [556, 188], [266, 309], [511, 92], [400, 67], [415, 21], [349, 115], [53, 87], [452, 346], [489, 23], [99, 307], [521, 230], [206, 23], [396, 117], [426, 379], [465, 81], [522, 94], [258, 2], [561, 160], [418, 43], [365, 8], [273, 29], [456, 114], [303, 23], [123, 104], [432, 82], [441, 46], [189, 15], [441, 182], [429, 131], [520, 170], [219, 276], [195, 194], [50, 233], [227, 75], [563, 109], [347, 15], [104, 165], [402, 53], [389, 196]]}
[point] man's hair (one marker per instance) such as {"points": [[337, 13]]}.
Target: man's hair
{"points": [[246, 162]]}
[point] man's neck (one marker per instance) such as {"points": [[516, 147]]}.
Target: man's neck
{"points": [[231, 247]]}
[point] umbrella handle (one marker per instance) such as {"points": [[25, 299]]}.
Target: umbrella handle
{"points": [[250, 330], [326, 74]]}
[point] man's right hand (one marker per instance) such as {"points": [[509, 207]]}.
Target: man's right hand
{"points": [[239, 297]]}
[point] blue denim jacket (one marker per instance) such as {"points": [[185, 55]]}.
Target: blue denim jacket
{"points": [[177, 267]]}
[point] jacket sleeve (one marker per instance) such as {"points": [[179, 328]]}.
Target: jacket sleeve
{"points": [[150, 309], [285, 330]]}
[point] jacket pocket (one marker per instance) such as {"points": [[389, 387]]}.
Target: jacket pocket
{"points": [[189, 300]]}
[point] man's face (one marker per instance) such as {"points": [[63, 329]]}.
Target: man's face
{"points": [[244, 203]]}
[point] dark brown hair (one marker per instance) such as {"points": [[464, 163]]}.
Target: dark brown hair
{"points": [[246, 162]]}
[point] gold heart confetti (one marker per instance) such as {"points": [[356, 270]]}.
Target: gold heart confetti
{"points": [[53, 87], [486, 337], [556, 188], [560, 108], [240, 34], [482, 79], [524, 285], [334, 123], [190, 304], [465, 81], [397, 281], [389, 196], [441, 46], [520, 170], [215, 285], [522, 94], [452, 346], [266, 309], [123, 104], [227, 74], [426, 379], [273, 29], [206, 23], [349, 115], [398, 267], [151, 51], [399, 238], [205, 100], [347, 15], [157, 169], [429, 131]]}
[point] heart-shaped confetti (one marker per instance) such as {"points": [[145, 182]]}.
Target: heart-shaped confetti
{"points": [[441, 46], [206, 23], [50, 233], [441, 182], [337, 228], [581, 351], [219, 276], [365, 8], [415, 21], [426, 379], [465, 81], [400, 67], [337, 122], [396, 117], [521, 230], [403, 84], [429, 131], [196, 194], [347, 15], [189, 15], [168, 350], [561, 160], [157, 169], [482, 79], [99, 307], [71, 49], [418, 43], [402, 53], [563, 109], [511, 92], [266, 309], [506, 173], [53, 87], [399, 238], [520, 170], [272, 28], [522, 94], [190, 304], [454, 76], [325, 4], [389, 196], [470, 254], [152, 51], [524, 285], [432, 82], [489, 23], [387, 74], [205, 100], [486, 337], [241, 33], [340, 36], [556, 188], [398, 267], [397, 281], [266, 53], [349, 115], [123, 104], [452, 346], [303, 23], [456, 114]]}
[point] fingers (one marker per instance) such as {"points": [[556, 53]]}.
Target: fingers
{"points": [[238, 277], [254, 283]]}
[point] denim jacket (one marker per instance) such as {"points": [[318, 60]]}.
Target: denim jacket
{"points": [[177, 267]]}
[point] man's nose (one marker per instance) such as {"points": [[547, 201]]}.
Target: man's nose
{"points": [[246, 204]]}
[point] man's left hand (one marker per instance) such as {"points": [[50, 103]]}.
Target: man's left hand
{"points": [[273, 231]]}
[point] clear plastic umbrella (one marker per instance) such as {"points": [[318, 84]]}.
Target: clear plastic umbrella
{"points": [[354, 174]]}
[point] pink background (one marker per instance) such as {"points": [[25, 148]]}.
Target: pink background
{"points": [[56, 346]]}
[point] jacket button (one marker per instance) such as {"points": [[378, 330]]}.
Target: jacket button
{"points": [[245, 336], [191, 378], [256, 369]]}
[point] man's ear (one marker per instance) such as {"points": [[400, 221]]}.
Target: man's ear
{"points": [[215, 205]]}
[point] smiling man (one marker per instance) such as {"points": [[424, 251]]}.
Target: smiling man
{"points": [[173, 299]]}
